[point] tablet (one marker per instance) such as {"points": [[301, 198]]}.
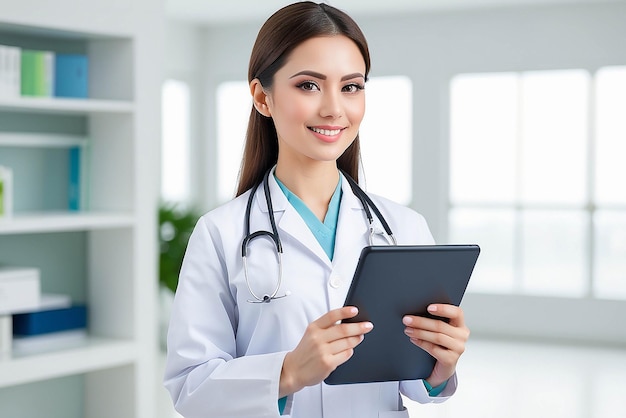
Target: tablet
{"points": [[393, 281]]}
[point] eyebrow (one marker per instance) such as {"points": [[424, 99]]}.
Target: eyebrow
{"points": [[323, 77]]}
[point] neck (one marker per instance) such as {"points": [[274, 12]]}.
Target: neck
{"points": [[313, 184]]}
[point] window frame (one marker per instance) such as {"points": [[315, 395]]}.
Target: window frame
{"points": [[585, 318]]}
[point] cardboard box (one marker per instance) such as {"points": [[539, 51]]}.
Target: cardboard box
{"points": [[20, 289]]}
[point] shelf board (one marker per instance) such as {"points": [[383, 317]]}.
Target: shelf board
{"points": [[64, 221], [22, 139], [66, 106], [92, 355]]}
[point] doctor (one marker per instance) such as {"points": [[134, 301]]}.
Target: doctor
{"points": [[255, 327]]}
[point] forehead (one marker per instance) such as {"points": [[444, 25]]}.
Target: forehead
{"points": [[326, 54]]}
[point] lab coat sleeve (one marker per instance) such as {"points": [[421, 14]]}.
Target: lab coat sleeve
{"points": [[203, 374], [416, 391]]}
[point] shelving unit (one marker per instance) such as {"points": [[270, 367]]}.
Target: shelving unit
{"points": [[103, 255], [65, 106]]}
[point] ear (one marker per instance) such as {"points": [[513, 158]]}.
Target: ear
{"points": [[259, 98]]}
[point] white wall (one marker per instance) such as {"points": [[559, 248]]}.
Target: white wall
{"points": [[430, 48]]}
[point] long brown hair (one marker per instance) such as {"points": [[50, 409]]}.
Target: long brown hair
{"points": [[281, 34]]}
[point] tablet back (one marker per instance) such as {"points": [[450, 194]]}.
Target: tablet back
{"points": [[393, 281]]}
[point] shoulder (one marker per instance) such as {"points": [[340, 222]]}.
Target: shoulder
{"points": [[230, 210], [407, 224], [226, 219], [394, 209]]}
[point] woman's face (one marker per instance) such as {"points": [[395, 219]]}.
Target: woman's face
{"points": [[317, 100]]}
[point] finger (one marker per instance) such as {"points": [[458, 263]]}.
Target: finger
{"points": [[332, 317], [436, 339], [454, 313], [440, 353], [348, 330], [341, 345], [436, 331], [430, 324]]}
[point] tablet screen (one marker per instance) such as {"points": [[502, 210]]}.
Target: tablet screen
{"points": [[393, 281]]}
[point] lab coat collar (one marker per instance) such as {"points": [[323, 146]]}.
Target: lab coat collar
{"points": [[351, 227], [288, 220]]}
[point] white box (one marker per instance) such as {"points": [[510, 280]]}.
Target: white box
{"points": [[20, 289]]}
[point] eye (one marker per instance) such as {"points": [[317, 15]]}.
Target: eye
{"points": [[308, 86], [352, 88]]}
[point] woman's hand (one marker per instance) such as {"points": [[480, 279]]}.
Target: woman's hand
{"points": [[442, 340], [325, 345]]}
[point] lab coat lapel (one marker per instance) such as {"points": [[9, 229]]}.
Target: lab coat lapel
{"points": [[291, 223], [352, 228]]}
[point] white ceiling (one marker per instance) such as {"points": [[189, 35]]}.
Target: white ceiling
{"points": [[221, 11]]}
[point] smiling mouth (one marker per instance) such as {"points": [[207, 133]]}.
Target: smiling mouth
{"points": [[327, 132]]}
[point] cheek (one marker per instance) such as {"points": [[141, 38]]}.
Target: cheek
{"points": [[356, 111], [294, 109]]}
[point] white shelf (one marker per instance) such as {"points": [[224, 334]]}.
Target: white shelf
{"points": [[66, 106], [19, 139], [64, 221], [92, 355], [112, 267]]}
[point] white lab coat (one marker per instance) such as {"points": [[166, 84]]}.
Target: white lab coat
{"points": [[225, 354]]}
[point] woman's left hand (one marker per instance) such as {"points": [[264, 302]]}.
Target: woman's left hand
{"points": [[445, 341]]}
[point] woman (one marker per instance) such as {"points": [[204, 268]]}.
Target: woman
{"points": [[229, 356]]}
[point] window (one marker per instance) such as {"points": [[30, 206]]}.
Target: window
{"points": [[535, 186], [175, 157], [609, 220], [233, 111], [386, 136]]}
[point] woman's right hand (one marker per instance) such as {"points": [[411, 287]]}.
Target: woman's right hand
{"points": [[326, 344]]}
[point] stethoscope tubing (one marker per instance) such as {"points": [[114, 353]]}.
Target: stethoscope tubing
{"points": [[365, 200]]}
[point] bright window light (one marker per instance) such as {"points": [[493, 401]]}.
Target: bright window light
{"points": [[519, 180], [387, 136], [233, 111], [610, 136], [483, 117], [609, 258], [554, 135], [175, 158]]}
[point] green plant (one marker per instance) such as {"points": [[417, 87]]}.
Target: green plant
{"points": [[175, 226]]}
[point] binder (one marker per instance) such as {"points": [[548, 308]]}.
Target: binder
{"points": [[71, 76], [10, 67], [6, 192]]}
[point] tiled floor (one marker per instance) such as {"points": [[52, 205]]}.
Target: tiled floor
{"points": [[500, 379]]}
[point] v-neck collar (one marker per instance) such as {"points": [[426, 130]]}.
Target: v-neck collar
{"points": [[324, 232]]}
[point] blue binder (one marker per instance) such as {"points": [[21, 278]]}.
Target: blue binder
{"points": [[71, 76], [53, 320]]}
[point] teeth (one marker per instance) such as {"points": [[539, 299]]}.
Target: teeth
{"points": [[326, 131]]}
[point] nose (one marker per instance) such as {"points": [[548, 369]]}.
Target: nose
{"points": [[331, 105]]}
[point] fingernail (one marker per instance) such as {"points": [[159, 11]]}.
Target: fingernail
{"points": [[368, 325], [432, 308], [407, 320], [354, 310]]}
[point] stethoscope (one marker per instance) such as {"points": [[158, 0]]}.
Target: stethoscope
{"points": [[366, 202]]}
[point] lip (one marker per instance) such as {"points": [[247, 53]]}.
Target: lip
{"points": [[327, 138]]}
